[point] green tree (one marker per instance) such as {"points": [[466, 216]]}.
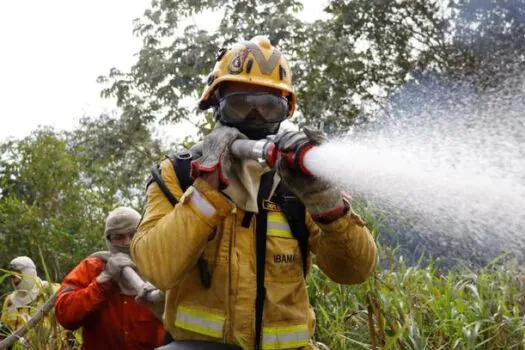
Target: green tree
{"points": [[488, 41], [57, 188], [333, 76], [345, 65], [42, 206], [364, 52], [115, 155]]}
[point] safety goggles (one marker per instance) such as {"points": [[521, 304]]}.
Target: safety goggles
{"points": [[237, 107]]}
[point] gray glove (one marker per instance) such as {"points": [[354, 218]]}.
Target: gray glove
{"points": [[143, 298], [114, 265], [319, 196], [216, 151], [146, 289]]}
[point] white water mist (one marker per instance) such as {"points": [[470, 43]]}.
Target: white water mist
{"points": [[453, 165]]}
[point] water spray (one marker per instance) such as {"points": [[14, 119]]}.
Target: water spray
{"points": [[445, 168]]}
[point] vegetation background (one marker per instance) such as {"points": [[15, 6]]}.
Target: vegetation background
{"points": [[56, 187]]}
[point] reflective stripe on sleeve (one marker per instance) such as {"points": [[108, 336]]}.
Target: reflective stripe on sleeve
{"points": [[200, 202]]}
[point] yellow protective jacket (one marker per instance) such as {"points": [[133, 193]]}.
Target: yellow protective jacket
{"points": [[47, 334], [170, 240]]}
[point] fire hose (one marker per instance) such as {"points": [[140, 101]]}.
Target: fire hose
{"points": [[265, 151], [134, 280], [154, 296]]}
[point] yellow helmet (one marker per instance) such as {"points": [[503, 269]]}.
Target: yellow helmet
{"points": [[253, 62]]}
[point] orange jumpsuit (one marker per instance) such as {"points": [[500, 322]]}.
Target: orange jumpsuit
{"points": [[109, 319]]}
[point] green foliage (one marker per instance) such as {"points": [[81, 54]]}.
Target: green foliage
{"points": [[363, 53], [173, 61], [416, 307], [115, 155], [57, 188], [338, 63], [421, 306], [488, 41], [345, 65], [41, 206]]}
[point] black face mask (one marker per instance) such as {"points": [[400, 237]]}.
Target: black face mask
{"points": [[253, 126]]}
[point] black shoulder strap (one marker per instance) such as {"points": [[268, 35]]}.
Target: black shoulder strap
{"points": [[182, 164], [295, 213], [261, 233]]}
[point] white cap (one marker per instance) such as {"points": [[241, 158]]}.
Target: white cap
{"points": [[122, 220], [21, 263]]}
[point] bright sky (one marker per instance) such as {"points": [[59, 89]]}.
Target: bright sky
{"points": [[53, 51]]}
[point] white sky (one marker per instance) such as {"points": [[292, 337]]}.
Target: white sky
{"points": [[52, 52]]}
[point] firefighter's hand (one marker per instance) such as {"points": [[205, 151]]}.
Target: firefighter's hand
{"points": [[290, 140], [216, 158], [320, 197]]}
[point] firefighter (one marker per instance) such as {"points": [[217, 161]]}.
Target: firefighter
{"points": [[231, 240]]}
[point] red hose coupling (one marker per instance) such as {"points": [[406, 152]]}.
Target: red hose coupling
{"points": [[295, 158]]}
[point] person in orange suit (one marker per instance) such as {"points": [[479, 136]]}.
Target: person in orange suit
{"points": [[94, 295]]}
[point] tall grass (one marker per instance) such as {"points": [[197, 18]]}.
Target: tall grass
{"points": [[410, 307], [416, 307]]}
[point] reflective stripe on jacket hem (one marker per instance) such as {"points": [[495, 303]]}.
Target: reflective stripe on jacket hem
{"points": [[275, 338], [199, 321]]}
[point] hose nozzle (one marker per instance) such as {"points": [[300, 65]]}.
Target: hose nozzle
{"points": [[266, 151]]}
